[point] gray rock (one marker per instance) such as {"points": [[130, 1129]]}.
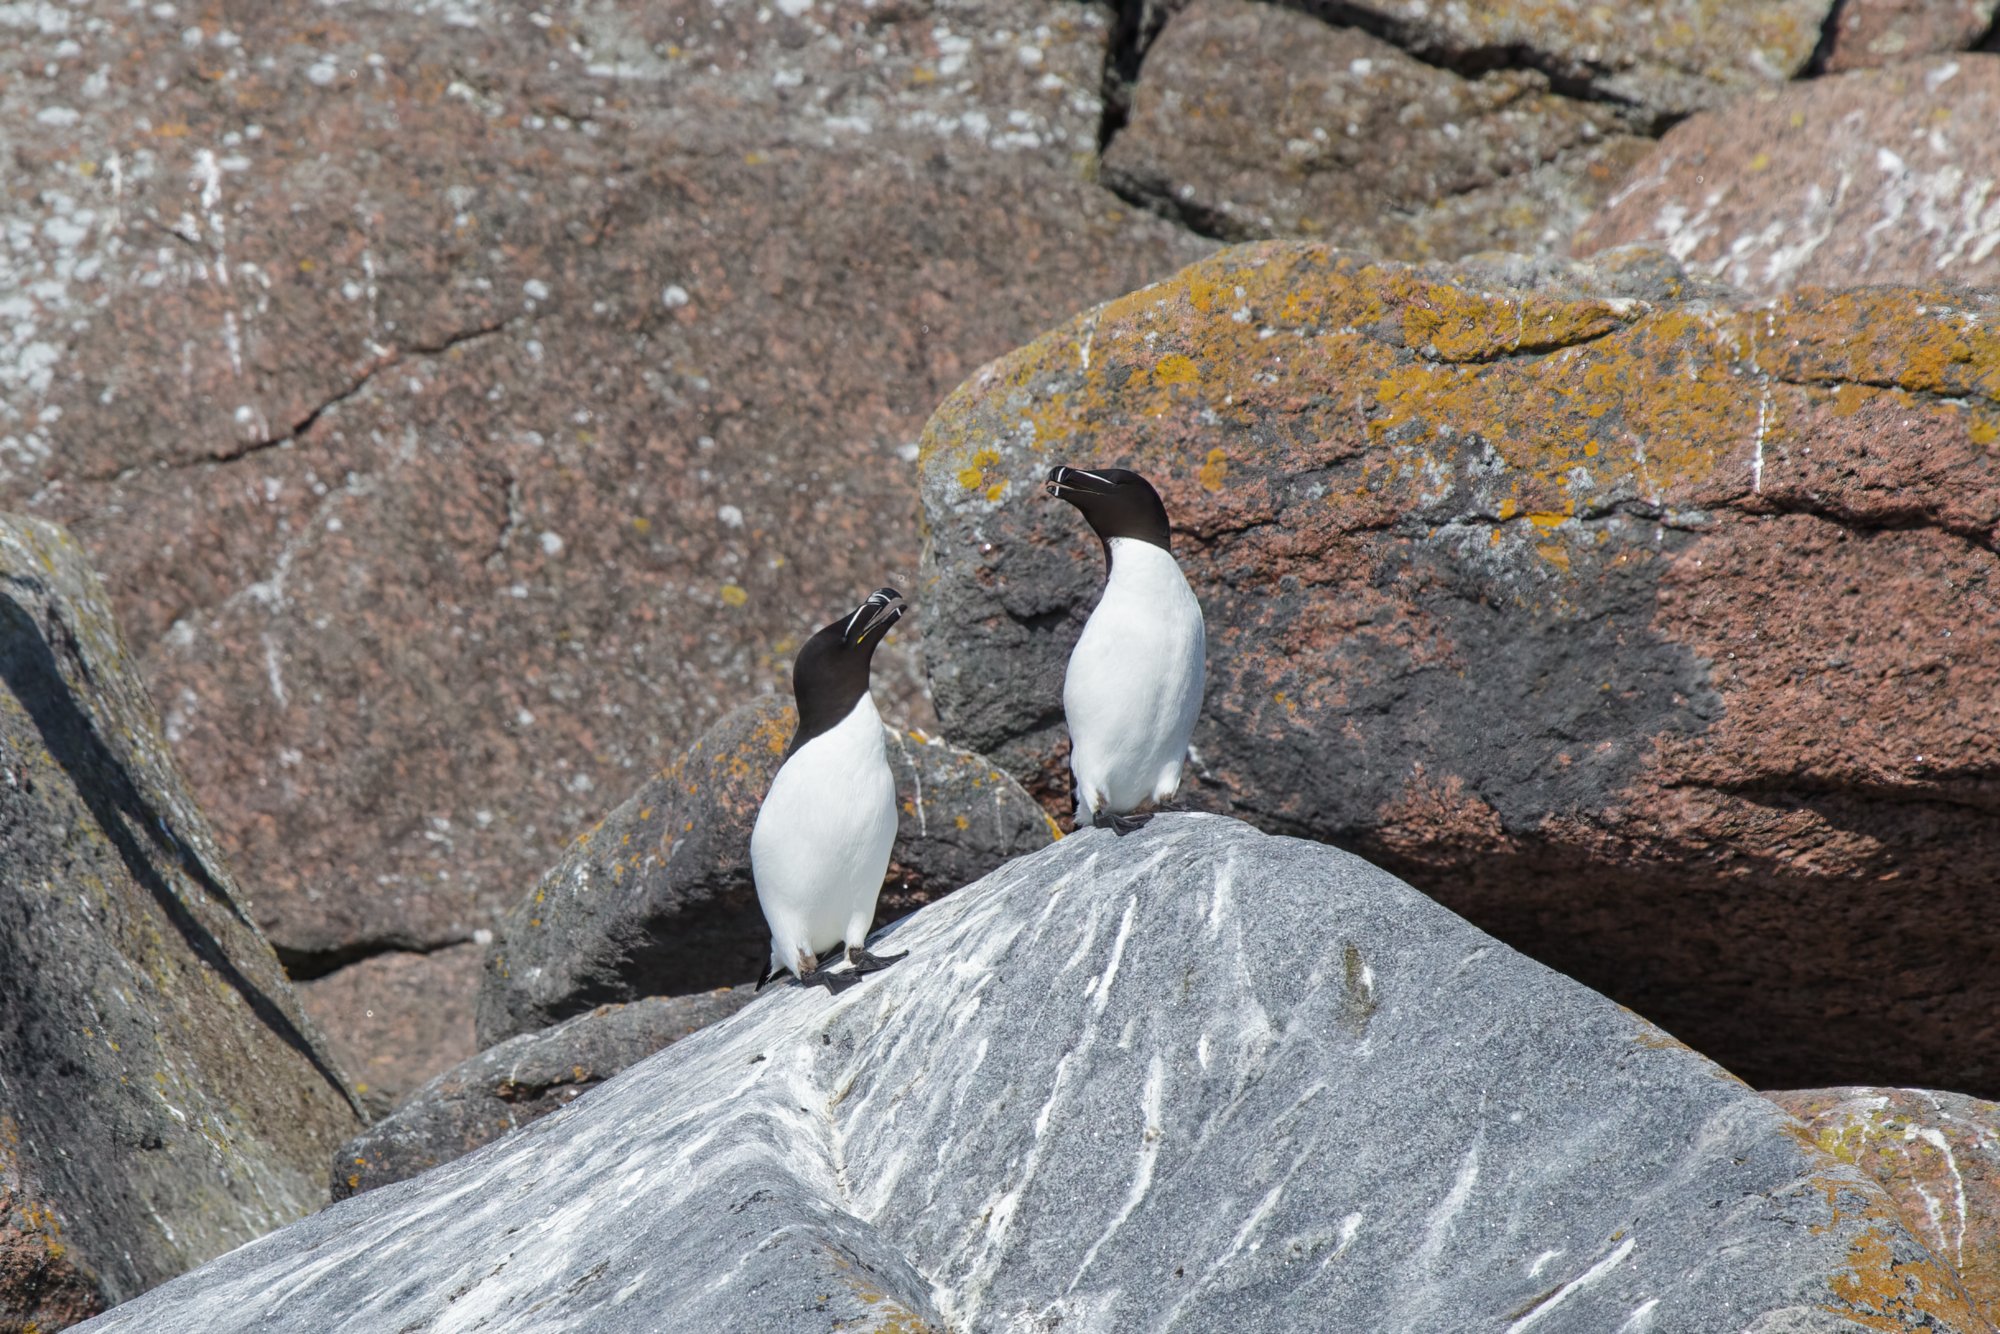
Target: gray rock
{"points": [[1669, 56], [522, 1079], [162, 1096], [658, 899], [1346, 138], [1197, 1078]]}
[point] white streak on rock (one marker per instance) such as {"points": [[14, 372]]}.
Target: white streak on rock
{"points": [[1151, 1132], [1437, 1228], [1575, 1285]]}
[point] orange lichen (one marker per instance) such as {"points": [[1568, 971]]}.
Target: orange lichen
{"points": [[1213, 470]]}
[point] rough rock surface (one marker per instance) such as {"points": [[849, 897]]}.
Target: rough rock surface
{"points": [[1352, 141], [1868, 33], [397, 1019], [468, 403], [1880, 176], [1668, 56], [162, 1096], [1196, 1078], [1654, 632], [1938, 1156], [658, 898], [520, 1080]]}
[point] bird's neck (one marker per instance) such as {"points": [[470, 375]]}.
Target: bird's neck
{"points": [[1139, 566], [824, 712]]}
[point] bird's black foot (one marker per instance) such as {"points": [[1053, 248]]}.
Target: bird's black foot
{"points": [[864, 962], [1120, 825], [835, 983], [763, 977]]}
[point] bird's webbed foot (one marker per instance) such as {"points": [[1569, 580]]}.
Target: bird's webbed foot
{"points": [[864, 962], [835, 983], [1120, 825]]}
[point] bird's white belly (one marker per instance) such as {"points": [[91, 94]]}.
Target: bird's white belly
{"points": [[1133, 690], [823, 838]]}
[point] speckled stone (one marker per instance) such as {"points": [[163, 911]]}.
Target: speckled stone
{"points": [[468, 404], [397, 1019], [1341, 136], [1194, 1078], [1878, 176], [1668, 56], [658, 899], [1867, 33], [520, 1080], [162, 1096], [1938, 1156], [1650, 626]]}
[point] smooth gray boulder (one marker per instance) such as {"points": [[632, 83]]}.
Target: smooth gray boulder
{"points": [[1197, 1078], [520, 1080]]}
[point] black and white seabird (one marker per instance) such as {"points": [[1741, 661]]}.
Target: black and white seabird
{"points": [[824, 833], [1134, 684]]}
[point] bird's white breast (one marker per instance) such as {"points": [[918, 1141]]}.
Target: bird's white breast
{"points": [[1134, 685], [823, 836]]}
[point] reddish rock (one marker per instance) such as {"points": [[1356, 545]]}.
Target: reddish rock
{"points": [[520, 1080], [1670, 56], [1880, 176], [397, 1019], [466, 409], [1867, 33], [1937, 1154], [1341, 136], [658, 898], [1653, 631]]}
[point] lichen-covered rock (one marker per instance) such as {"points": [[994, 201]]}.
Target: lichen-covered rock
{"points": [[1880, 176], [42, 1287], [467, 405], [518, 1081], [396, 1019], [1938, 1156], [1868, 33], [162, 1096], [658, 898], [1195, 1078], [1257, 120], [1652, 630], [1668, 56]]}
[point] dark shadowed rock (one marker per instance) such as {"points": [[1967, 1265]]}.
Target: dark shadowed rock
{"points": [[1652, 630], [1254, 120], [658, 898], [1196, 1078], [1867, 33], [162, 1096], [1880, 176], [1938, 1156], [520, 1080], [396, 1019], [467, 405], [1666, 56]]}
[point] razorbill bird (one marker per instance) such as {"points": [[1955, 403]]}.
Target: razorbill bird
{"points": [[1134, 683], [823, 835]]}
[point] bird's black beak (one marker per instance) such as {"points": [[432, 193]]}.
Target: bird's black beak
{"points": [[1066, 482], [872, 619]]}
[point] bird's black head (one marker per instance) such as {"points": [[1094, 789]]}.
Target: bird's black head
{"points": [[830, 675], [1116, 501]]}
